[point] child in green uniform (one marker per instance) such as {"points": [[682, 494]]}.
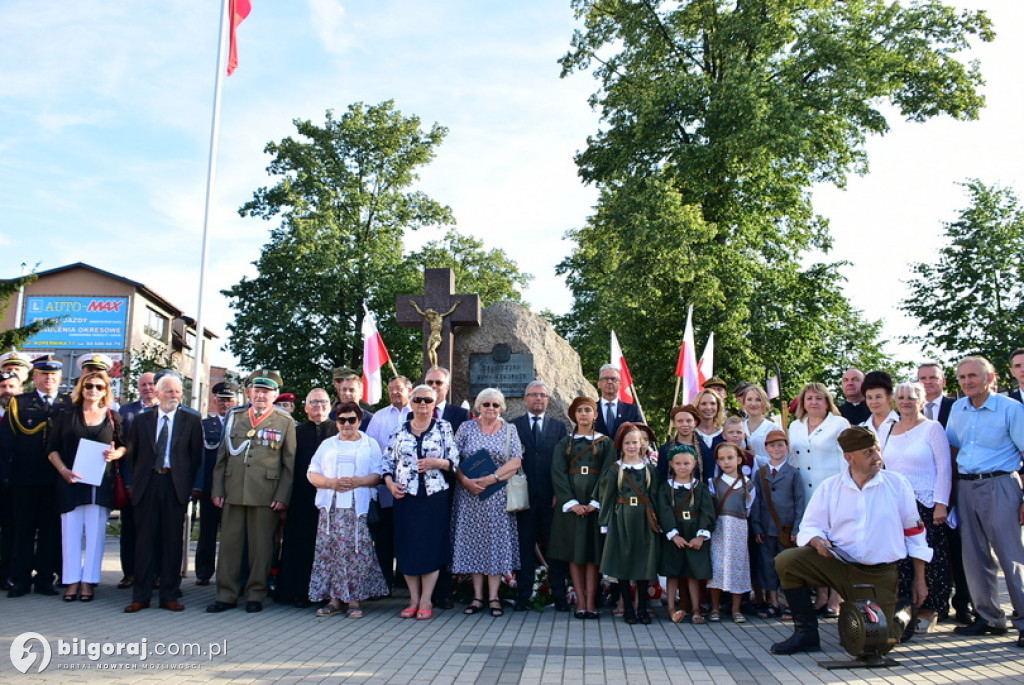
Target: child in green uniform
{"points": [[687, 512], [629, 489], [576, 466]]}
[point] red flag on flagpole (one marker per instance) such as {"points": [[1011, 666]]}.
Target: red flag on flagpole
{"points": [[237, 11], [686, 367], [375, 356], [706, 365], [619, 362]]}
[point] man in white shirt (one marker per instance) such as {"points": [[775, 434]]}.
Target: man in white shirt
{"points": [[857, 525]]}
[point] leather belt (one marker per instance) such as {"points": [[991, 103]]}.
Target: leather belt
{"points": [[162, 471], [633, 501], [583, 470], [982, 476]]}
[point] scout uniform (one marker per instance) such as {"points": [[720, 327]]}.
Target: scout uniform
{"points": [[254, 469]]}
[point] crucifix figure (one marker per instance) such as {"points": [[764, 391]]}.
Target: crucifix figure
{"points": [[438, 296]]}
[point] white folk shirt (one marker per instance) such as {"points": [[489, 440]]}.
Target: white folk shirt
{"points": [[878, 524]]}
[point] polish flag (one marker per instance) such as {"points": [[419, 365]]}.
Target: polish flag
{"points": [[686, 367], [706, 365], [375, 356], [619, 362], [237, 11]]}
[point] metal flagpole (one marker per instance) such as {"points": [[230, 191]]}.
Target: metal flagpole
{"points": [[211, 172]]}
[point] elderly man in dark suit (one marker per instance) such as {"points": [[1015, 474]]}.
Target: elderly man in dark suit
{"points": [[539, 433], [164, 455], [146, 386], [611, 411]]}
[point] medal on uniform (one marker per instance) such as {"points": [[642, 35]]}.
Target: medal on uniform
{"points": [[250, 433]]}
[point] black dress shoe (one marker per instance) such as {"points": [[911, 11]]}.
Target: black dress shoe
{"points": [[520, 605], [445, 603], [17, 591], [979, 627], [203, 581], [964, 618], [253, 607], [219, 606], [302, 603], [1020, 639], [48, 590], [561, 604]]}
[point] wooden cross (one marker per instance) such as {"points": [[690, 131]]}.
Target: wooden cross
{"points": [[437, 311]]}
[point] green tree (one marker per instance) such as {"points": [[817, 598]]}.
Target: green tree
{"points": [[344, 200], [970, 300], [718, 118], [149, 358], [9, 292]]}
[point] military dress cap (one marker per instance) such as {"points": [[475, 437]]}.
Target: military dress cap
{"points": [[16, 358], [715, 381], [100, 362], [265, 378], [167, 372], [343, 372], [225, 389], [285, 397], [857, 438], [47, 364], [775, 436]]}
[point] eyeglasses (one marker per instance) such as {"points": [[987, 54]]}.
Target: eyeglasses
{"points": [[609, 380], [422, 400], [94, 386], [535, 394], [434, 382], [347, 419], [490, 405], [319, 403]]}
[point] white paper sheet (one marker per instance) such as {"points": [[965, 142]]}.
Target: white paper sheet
{"points": [[344, 500], [90, 463]]}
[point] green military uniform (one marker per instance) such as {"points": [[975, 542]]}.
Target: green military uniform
{"points": [[254, 469], [686, 511], [576, 466], [631, 546]]}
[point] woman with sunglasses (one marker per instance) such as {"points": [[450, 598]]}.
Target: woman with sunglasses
{"points": [[84, 509], [345, 471], [421, 452], [486, 539]]}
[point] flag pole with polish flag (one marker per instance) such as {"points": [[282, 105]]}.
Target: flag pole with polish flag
{"points": [[232, 12], [375, 355], [627, 391], [686, 367]]}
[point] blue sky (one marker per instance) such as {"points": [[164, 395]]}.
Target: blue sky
{"points": [[105, 113]]}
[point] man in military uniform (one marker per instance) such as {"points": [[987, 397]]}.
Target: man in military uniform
{"points": [[252, 482], [226, 396], [18, 362], [10, 386], [23, 450]]}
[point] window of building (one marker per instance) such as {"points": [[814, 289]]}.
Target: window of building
{"points": [[156, 325]]}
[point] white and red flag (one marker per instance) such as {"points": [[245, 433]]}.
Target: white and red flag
{"points": [[375, 356], [686, 367], [237, 11], [619, 362], [706, 365]]}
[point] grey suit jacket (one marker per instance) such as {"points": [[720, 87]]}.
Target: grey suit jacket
{"points": [[788, 497]]}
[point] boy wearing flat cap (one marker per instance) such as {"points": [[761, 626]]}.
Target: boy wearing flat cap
{"points": [[858, 524]]}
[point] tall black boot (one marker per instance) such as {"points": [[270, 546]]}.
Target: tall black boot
{"points": [[628, 613], [805, 624], [641, 602]]}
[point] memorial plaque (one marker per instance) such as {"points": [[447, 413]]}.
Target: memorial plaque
{"points": [[500, 369]]}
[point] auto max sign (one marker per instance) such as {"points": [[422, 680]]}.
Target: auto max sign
{"points": [[95, 323]]}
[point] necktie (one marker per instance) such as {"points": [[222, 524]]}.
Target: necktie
{"points": [[609, 416], [929, 410], [774, 472], [49, 400], [161, 443], [536, 428]]}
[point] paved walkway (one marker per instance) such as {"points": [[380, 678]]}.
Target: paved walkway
{"points": [[287, 645]]}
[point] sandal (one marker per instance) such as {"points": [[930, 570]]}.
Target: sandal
{"points": [[769, 611], [87, 597], [738, 617], [475, 607], [678, 616], [355, 613], [328, 610], [407, 612], [714, 617], [697, 620], [425, 614], [787, 614], [495, 612], [70, 596]]}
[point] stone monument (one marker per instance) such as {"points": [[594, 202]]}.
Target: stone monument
{"points": [[509, 338]]}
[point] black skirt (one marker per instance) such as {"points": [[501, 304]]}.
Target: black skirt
{"points": [[422, 539]]}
